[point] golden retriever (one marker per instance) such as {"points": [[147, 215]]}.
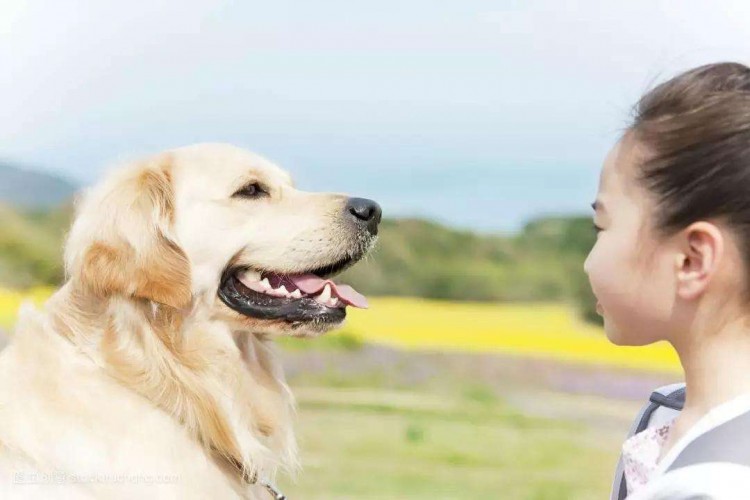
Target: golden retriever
{"points": [[150, 373]]}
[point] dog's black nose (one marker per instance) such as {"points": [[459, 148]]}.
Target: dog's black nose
{"points": [[365, 211]]}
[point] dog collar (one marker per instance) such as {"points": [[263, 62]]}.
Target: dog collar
{"points": [[273, 490], [253, 478]]}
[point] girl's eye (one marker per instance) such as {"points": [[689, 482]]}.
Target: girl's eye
{"points": [[252, 190]]}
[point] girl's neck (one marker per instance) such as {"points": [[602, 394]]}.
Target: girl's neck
{"points": [[717, 366], [717, 369]]}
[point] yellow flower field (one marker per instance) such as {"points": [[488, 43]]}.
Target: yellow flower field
{"points": [[10, 301], [538, 330]]}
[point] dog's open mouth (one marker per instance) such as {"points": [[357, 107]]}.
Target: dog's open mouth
{"points": [[291, 297]]}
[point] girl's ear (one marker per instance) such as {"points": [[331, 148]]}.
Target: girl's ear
{"points": [[120, 243], [701, 253]]}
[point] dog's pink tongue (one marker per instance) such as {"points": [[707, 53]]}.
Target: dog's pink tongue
{"points": [[312, 284]]}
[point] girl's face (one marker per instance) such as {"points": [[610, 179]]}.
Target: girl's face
{"points": [[632, 273]]}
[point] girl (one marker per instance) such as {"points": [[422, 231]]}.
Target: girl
{"points": [[672, 262]]}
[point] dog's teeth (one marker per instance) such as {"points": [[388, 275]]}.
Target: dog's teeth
{"points": [[296, 294], [282, 291], [333, 302], [250, 276], [265, 284], [325, 295]]}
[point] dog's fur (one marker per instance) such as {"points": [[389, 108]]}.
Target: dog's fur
{"points": [[136, 381]]}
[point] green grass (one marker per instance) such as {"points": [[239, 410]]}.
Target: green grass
{"points": [[375, 444]]}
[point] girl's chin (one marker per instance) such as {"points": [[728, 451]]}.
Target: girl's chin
{"points": [[622, 338], [615, 337]]}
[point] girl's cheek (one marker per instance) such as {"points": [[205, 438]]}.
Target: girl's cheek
{"points": [[608, 273], [635, 300], [596, 265]]}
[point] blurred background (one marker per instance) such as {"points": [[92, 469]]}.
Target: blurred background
{"points": [[480, 371]]}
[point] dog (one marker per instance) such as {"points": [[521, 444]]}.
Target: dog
{"points": [[151, 372]]}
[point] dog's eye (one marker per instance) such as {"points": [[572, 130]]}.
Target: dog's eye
{"points": [[252, 190]]}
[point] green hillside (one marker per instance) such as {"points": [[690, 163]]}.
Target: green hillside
{"points": [[544, 262], [420, 258], [31, 246]]}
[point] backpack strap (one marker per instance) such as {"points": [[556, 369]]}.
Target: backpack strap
{"points": [[728, 443], [673, 397], [662, 405]]}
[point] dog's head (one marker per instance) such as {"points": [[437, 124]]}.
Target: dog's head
{"points": [[213, 229]]}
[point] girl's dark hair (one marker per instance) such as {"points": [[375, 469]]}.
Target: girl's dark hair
{"points": [[696, 132]]}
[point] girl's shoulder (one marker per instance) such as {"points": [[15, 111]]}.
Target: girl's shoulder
{"points": [[703, 481], [710, 461]]}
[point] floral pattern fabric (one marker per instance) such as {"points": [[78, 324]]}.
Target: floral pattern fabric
{"points": [[640, 455]]}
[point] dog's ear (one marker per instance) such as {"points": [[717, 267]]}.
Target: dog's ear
{"points": [[121, 243]]}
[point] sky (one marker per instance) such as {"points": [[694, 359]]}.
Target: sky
{"points": [[479, 114]]}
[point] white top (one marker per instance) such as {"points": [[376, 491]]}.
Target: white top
{"points": [[703, 481]]}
